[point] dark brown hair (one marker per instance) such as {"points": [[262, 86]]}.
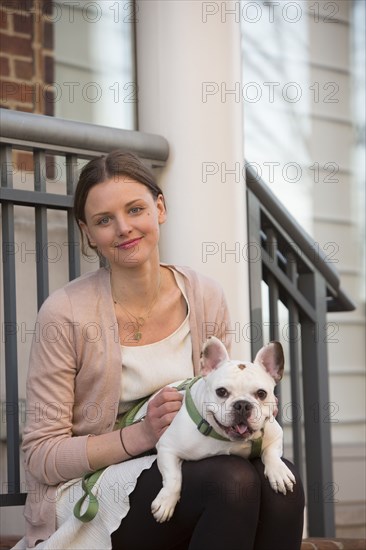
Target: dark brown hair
{"points": [[100, 169]]}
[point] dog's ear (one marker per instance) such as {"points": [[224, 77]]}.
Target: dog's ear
{"points": [[212, 355], [272, 359]]}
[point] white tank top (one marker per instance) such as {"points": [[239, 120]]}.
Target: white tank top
{"points": [[148, 368]]}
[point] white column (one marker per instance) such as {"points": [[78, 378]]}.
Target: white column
{"points": [[189, 80]]}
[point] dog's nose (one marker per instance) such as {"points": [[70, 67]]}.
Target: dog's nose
{"points": [[243, 407]]}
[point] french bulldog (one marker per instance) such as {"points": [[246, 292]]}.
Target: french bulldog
{"points": [[234, 406]]}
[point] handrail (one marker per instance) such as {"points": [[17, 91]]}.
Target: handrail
{"points": [[42, 136], [300, 237], [297, 275], [60, 134]]}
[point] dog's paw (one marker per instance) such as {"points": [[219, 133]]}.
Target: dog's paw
{"points": [[163, 506], [280, 477]]}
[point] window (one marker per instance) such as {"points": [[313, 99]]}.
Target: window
{"points": [[94, 62]]}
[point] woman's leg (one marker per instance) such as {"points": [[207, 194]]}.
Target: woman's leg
{"points": [[281, 516], [219, 508]]}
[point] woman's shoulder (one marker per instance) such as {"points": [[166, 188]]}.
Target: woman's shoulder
{"points": [[198, 281], [88, 280], [83, 289]]}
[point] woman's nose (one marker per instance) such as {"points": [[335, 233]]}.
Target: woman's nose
{"points": [[123, 227]]}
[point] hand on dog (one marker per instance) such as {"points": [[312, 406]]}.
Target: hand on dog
{"points": [[160, 413]]}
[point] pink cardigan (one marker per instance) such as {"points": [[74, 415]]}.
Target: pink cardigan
{"points": [[73, 381]]}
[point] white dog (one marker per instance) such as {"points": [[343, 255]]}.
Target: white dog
{"points": [[228, 410]]}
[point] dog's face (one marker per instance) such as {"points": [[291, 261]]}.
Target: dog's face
{"points": [[239, 395]]}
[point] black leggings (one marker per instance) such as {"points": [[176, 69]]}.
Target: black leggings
{"points": [[226, 502]]}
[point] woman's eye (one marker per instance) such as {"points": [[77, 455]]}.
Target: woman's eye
{"points": [[222, 392], [135, 210], [103, 221]]}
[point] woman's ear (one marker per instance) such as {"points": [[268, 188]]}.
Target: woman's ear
{"points": [[160, 205], [85, 230]]}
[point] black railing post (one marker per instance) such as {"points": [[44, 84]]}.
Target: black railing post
{"points": [[10, 329], [294, 336], [255, 273], [72, 229], [41, 228], [298, 275], [317, 412]]}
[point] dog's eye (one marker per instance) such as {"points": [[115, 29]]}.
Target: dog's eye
{"points": [[261, 394], [222, 392]]}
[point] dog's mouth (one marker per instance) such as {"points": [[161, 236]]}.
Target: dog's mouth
{"points": [[241, 430]]}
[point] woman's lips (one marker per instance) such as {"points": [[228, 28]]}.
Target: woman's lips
{"points": [[129, 244]]}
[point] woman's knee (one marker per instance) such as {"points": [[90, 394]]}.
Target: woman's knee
{"points": [[294, 499], [228, 479]]}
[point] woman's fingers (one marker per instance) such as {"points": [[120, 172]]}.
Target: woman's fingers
{"points": [[165, 395], [163, 408]]}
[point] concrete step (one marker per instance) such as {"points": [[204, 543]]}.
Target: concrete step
{"points": [[333, 544]]}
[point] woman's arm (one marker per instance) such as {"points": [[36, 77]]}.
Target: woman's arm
{"points": [[58, 447], [107, 449], [68, 373], [51, 453]]}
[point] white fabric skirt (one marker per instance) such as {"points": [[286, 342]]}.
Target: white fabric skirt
{"points": [[112, 489]]}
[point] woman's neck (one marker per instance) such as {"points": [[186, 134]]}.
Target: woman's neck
{"points": [[136, 287]]}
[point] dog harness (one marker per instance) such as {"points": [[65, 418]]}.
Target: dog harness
{"points": [[127, 419], [206, 429], [89, 480]]}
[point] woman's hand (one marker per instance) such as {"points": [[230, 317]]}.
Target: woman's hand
{"points": [[160, 413], [106, 449]]}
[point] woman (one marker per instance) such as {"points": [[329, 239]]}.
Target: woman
{"points": [[108, 339]]}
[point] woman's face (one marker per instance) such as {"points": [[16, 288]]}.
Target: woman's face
{"points": [[122, 221]]}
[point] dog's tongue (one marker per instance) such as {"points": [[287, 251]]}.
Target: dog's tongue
{"points": [[241, 428]]}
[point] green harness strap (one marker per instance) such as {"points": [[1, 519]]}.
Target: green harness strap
{"points": [[206, 429], [256, 449], [202, 425], [87, 484], [89, 480]]}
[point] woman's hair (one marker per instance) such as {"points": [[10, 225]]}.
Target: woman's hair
{"points": [[100, 169]]}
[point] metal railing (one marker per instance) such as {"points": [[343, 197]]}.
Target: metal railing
{"points": [[44, 137], [297, 275]]}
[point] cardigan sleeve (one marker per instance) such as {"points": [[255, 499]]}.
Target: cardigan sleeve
{"points": [[52, 453]]}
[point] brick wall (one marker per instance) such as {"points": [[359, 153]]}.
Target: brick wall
{"points": [[26, 56]]}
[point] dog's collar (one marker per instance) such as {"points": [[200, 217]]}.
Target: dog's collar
{"points": [[202, 425], [205, 428]]}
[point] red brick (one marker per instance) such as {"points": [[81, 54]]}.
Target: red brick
{"points": [[4, 66], [3, 20], [16, 45], [16, 91], [23, 69], [17, 106], [23, 23], [23, 159], [23, 6], [21, 107]]}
